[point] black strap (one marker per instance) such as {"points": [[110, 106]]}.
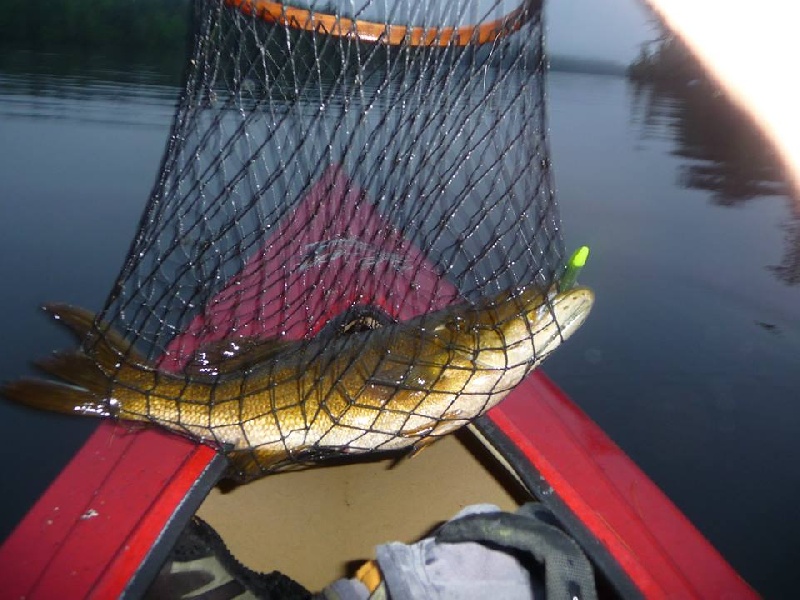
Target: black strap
{"points": [[533, 531]]}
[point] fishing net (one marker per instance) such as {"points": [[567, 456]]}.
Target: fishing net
{"points": [[333, 168]]}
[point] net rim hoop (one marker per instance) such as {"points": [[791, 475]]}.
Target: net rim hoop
{"points": [[392, 35]]}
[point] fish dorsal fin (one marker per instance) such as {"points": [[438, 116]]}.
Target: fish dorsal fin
{"points": [[235, 355], [238, 354]]}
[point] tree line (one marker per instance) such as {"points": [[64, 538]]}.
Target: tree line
{"points": [[135, 26]]}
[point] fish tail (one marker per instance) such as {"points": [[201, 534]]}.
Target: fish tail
{"points": [[107, 345], [58, 397], [86, 378], [78, 369], [77, 319]]}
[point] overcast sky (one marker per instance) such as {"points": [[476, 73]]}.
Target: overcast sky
{"points": [[603, 29]]}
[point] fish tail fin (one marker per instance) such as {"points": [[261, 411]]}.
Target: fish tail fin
{"points": [[106, 345], [78, 369], [87, 378], [77, 319], [58, 397]]}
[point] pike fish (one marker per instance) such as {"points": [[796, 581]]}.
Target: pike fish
{"points": [[272, 405]]}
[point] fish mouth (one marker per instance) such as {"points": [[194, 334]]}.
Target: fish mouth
{"points": [[561, 316], [570, 309]]}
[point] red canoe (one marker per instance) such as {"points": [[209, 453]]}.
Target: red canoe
{"points": [[106, 524]]}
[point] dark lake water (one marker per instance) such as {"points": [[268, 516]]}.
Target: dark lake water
{"points": [[690, 361]]}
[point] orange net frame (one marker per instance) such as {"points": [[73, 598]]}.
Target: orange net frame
{"points": [[393, 35]]}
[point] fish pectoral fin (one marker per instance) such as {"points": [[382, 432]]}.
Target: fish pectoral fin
{"points": [[421, 445], [428, 434], [251, 463], [256, 462], [416, 448], [243, 466]]}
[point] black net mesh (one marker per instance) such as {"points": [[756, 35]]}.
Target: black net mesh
{"points": [[447, 143], [335, 178]]}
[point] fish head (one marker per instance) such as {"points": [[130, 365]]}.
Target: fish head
{"points": [[532, 324]]}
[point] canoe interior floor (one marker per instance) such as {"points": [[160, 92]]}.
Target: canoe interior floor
{"points": [[320, 524]]}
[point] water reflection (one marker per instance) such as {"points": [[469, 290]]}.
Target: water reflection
{"points": [[101, 67], [725, 153], [789, 269], [88, 87], [81, 145]]}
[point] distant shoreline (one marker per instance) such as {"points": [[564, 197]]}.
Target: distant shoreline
{"points": [[68, 58], [590, 66]]}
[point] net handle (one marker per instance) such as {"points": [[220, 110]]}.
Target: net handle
{"points": [[393, 35]]}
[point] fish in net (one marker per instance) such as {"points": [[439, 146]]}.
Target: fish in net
{"points": [[352, 246]]}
